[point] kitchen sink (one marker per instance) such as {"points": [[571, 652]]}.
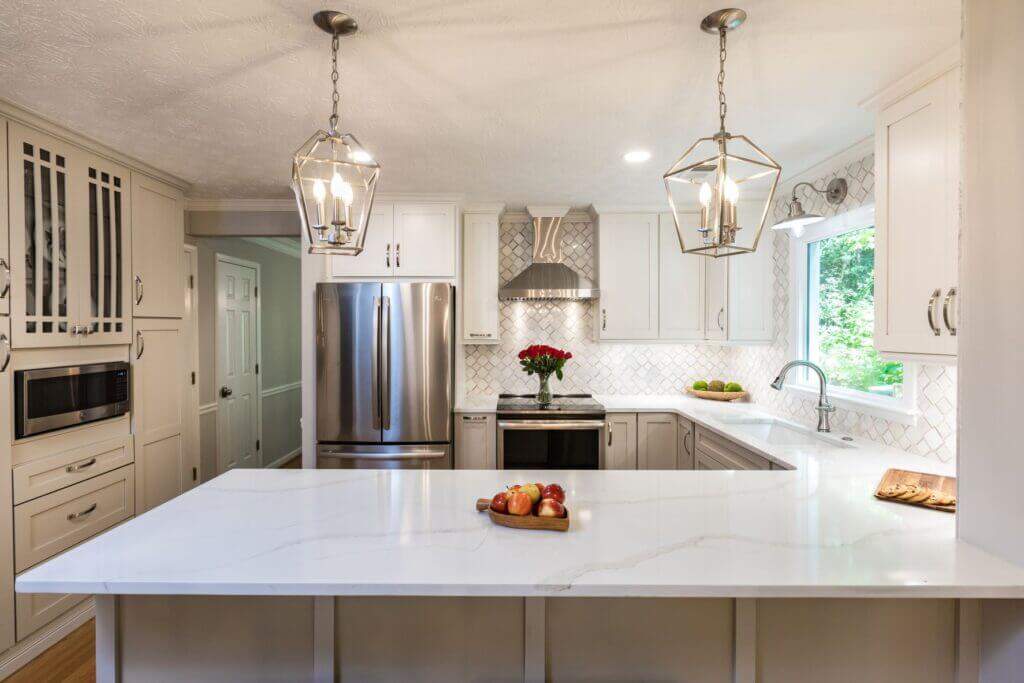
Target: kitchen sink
{"points": [[780, 433]]}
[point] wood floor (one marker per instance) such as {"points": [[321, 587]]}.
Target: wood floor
{"points": [[71, 659], [293, 464]]}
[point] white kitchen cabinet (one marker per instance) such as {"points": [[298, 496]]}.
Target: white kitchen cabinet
{"points": [[620, 441], [163, 470], [376, 259], [917, 220], [657, 441], [681, 285], [480, 248], [685, 430], [475, 441], [158, 233], [628, 274], [6, 496], [70, 258], [425, 240], [716, 307], [750, 284], [5, 256]]}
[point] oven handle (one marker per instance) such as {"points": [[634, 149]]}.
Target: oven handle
{"points": [[415, 455], [550, 425]]}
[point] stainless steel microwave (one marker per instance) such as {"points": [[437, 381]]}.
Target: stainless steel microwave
{"points": [[46, 399]]}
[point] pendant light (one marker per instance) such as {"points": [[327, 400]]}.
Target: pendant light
{"points": [[334, 178], [708, 182]]}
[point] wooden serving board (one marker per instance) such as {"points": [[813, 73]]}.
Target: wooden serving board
{"points": [[532, 522], [717, 395], [945, 485]]}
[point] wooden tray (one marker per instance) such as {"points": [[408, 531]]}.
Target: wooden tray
{"points": [[524, 521], [946, 485], [717, 395]]}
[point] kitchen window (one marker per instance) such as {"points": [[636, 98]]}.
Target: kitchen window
{"points": [[833, 266]]}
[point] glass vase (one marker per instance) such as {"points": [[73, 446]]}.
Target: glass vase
{"points": [[544, 391]]}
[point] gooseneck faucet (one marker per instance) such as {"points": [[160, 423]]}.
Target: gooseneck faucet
{"points": [[825, 407]]}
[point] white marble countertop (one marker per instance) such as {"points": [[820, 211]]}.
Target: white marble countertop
{"points": [[814, 531]]}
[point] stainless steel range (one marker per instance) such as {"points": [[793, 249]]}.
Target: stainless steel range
{"points": [[567, 434]]}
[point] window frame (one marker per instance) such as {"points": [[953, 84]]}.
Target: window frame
{"points": [[902, 409]]}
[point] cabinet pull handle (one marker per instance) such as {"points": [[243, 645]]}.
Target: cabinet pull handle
{"points": [[604, 319], [78, 467], [7, 351], [945, 311], [139, 291], [721, 312], [398, 255], [7, 278], [608, 425], [140, 343], [472, 418], [479, 334], [387, 255], [931, 312], [87, 511]]}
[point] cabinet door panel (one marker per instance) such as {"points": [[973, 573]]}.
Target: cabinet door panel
{"points": [[377, 258], [681, 285], [750, 284], [425, 240], [628, 265], [475, 442], [6, 521], [158, 233], [620, 443], [46, 216], [657, 441], [480, 278], [716, 312], [5, 257]]}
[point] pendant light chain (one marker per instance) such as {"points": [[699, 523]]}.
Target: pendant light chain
{"points": [[335, 76], [722, 107]]}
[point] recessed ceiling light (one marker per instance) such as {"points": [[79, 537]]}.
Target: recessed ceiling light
{"points": [[636, 156]]}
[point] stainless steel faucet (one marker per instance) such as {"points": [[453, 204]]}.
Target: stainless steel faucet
{"points": [[825, 407]]}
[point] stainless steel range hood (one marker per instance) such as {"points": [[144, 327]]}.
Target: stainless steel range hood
{"points": [[548, 278]]}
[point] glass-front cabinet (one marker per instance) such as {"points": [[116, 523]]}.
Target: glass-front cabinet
{"points": [[69, 244]]}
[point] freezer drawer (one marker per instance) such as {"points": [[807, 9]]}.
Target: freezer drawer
{"points": [[384, 457]]}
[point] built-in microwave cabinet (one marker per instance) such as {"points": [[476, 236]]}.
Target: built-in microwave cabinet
{"points": [[70, 253]]}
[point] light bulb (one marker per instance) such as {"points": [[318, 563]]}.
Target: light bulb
{"points": [[731, 190], [319, 190], [341, 190], [360, 156], [705, 194]]}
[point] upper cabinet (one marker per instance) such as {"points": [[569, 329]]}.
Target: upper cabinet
{"points": [[480, 245], [70, 243], [158, 233], [651, 290], [917, 220], [404, 240], [5, 257]]}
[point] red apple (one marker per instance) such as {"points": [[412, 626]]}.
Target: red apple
{"points": [[500, 502], [554, 492], [549, 507], [520, 504]]}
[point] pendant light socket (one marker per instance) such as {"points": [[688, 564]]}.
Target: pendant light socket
{"points": [[335, 23], [728, 19]]}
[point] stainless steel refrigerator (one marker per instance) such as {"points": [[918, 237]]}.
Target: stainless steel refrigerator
{"points": [[384, 354]]}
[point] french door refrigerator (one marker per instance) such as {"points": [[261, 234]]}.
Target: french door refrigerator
{"points": [[384, 354]]}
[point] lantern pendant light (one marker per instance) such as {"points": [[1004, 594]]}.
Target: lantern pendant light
{"points": [[708, 182], [334, 178]]}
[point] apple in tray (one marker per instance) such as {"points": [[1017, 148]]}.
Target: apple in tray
{"points": [[549, 507]]}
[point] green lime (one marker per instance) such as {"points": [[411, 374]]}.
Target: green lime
{"points": [[733, 386], [700, 385]]}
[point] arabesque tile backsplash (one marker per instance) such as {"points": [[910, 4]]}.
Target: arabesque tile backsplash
{"points": [[665, 368]]}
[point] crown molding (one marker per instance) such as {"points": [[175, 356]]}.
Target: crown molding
{"points": [[273, 244], [945, 61], [492, 207]]}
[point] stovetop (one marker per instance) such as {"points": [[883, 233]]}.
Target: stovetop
{"points": [[563, 404]]}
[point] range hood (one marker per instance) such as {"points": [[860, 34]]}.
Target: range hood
{"points": [[548, 278]]}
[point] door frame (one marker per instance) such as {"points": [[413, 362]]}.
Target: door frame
{"points": [[190, 420], [220, 258]]}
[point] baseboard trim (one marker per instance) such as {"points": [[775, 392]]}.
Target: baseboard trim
{"points": [[207, 408], [36, 644], [285, 458], [282, 388]]}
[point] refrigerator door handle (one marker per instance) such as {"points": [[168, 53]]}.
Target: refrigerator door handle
{"points": [[385, 365], [374, 364]]}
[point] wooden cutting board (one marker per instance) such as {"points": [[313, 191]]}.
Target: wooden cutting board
{"points": [[532, 522], [936, 482]]}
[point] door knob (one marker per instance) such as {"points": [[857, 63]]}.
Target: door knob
{"points": [[225, 392]]}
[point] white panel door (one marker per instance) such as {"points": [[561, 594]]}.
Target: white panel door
{"points": [[628, 271], [377, 258], [159, 373], [750, 283], [425, 240], [6, 503], [237, 357], [480, 278], [681, 285], [5, 257], [158, 233], [916, 219], [716, 311]]}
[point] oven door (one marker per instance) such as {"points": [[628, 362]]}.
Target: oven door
{"points": [[54, 398], [526, 444]]}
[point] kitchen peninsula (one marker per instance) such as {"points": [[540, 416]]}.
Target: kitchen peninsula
{"points": [[322, 573]]}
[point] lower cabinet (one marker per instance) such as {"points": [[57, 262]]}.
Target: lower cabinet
{"points": [[656, 441], [35, 610], [475, 441], [620, 441], [163, 469], [714, 452]]}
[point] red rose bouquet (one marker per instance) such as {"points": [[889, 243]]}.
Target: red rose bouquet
{"points": [[542, 361]]}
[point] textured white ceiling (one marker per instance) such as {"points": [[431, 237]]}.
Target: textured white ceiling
{"points": [[515, 100]]}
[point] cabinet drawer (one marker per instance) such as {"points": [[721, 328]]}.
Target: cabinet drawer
{"points": [[52, 473], [35, 610], [45, 526], [728, 453]]}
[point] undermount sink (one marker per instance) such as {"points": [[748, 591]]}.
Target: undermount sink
{"points": [[780, 433]]}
